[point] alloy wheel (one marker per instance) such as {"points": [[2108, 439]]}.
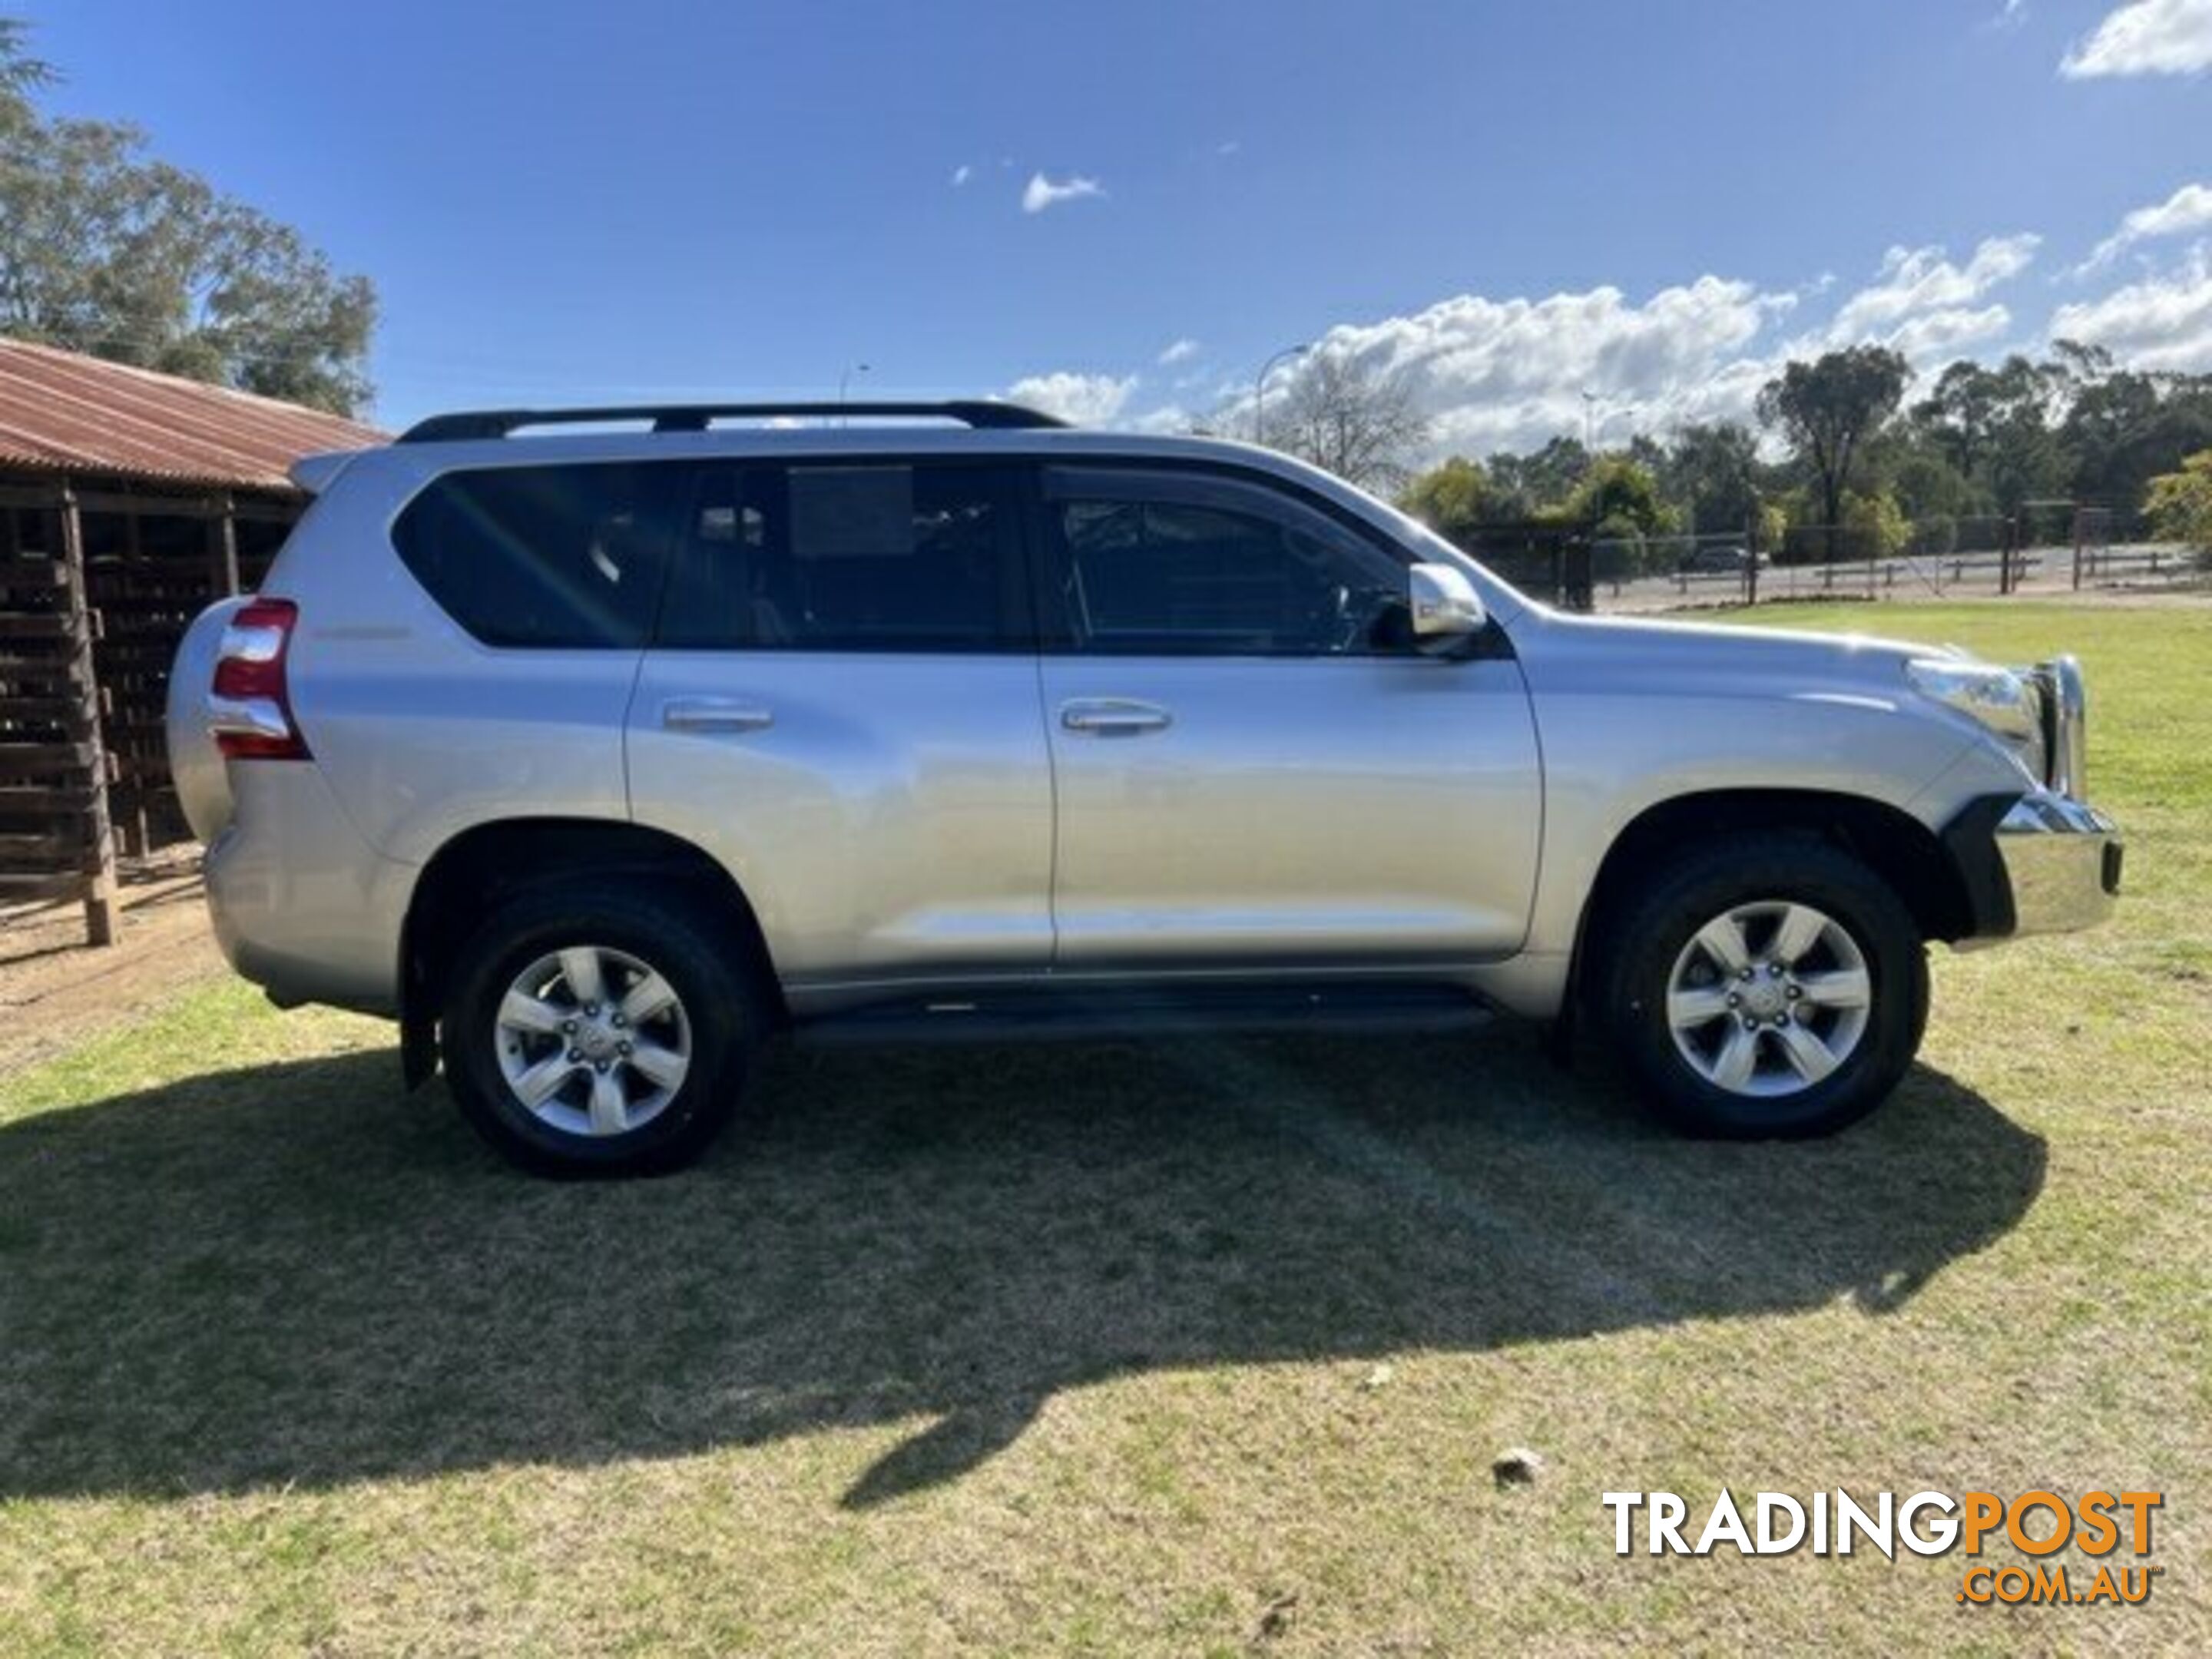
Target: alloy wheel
{"points": [[593, 1041], [1769, 998]]}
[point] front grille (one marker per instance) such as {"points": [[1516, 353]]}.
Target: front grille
{"points": [[2046, 708], [2064, 706]]}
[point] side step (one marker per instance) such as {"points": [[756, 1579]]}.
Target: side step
{"points": [[1078, 1014]]}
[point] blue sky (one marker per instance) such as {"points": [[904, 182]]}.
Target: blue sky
{"points": [[1650, 200]]}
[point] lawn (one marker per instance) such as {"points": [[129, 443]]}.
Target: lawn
{"points": [[1205, 1346]]}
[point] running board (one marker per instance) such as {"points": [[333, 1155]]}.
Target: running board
{"points": [[1094, 1015]]}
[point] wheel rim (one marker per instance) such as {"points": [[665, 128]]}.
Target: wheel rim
{"points": [[591, 1040], [1769, 998]]}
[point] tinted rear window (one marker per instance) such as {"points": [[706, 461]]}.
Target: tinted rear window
{"points": [[866, 556], [554, 557]]}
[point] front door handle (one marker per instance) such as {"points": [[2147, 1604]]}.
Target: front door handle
{"points": [[715, 714], [1114, 717]]}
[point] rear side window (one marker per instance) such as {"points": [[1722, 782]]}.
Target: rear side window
{"points": [[872, 557], [553, 557]]}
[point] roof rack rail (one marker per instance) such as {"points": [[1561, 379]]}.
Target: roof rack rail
{"points": [[979, 413]]}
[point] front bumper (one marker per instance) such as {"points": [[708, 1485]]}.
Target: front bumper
{"points": [[2061, 859], [2045, 861], [2037, 863]]}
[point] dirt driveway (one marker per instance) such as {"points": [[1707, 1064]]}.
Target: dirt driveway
{"points": [[55, 991]]}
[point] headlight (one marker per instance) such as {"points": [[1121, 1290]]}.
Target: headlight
{"points": [[1998, 698]]}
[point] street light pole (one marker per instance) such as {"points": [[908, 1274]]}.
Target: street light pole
{"points": [[1260, 384], [1594, 423], [850, 370]]}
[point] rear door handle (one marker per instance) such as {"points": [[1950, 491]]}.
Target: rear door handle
{"points": [[1114, 717], [715, 714]]}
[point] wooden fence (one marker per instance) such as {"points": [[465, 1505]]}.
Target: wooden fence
{"points": [[96, 588]]}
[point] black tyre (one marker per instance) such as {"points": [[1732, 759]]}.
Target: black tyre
{"points": [[598, 1029], [1763, 985]]}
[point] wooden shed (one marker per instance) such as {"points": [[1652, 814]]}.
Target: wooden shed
{"points": [[129, 500]]}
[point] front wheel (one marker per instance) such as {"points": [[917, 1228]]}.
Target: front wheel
{"points": [[1765, 986], [598, 1029]]}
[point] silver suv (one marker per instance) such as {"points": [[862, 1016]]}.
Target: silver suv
{"points": [[594, 757]]}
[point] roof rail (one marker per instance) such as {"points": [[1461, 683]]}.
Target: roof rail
{"points": [[979, 413]]}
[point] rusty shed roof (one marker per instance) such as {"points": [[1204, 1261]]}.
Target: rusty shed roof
{"points": [[62, 412]]}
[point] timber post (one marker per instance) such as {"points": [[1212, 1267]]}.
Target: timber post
{"points": [[98, 842]]}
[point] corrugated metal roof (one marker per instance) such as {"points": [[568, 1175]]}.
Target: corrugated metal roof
{"points": [[60, 411]]}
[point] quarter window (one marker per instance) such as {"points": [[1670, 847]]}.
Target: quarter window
{"points": [[553, 557]]}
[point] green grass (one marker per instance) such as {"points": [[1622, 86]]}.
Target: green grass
{"points": [[1192, 1348]]}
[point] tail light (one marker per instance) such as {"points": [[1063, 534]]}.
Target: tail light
{"points": [[250, 706]]}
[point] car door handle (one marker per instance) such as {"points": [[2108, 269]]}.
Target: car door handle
{"points": [[1114, 717], [715, 714]]}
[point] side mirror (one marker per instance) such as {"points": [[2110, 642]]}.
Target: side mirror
{"points": [[1444, 604]]}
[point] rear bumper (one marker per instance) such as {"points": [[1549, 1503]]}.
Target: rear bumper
{"points": [[2037, 863], [300, 904]]}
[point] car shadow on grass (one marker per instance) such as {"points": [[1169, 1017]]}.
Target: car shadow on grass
{"points": [[294, 1274]]}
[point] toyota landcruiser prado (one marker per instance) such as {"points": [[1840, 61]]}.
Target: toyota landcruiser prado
{"points": [[591, 757]]}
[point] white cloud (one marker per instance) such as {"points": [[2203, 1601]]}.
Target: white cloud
{"points": [[1510, 374], [1914, 282], [961, 174], [2162, 322], [1041, 192], [1169, 420], [2146, 37], [1229, 147], [1181, 352], [2187, 208], [1937, 336], [1085, 399]]}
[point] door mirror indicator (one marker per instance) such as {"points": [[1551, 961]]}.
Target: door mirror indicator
{"points": [[1444, 604]]}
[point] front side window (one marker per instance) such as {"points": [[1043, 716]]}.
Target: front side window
{"points": [[550, 557], [873, 556], [1162, 563]]}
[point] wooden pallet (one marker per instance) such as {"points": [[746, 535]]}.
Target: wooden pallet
{"points": [[92, 604], [54, 769]]}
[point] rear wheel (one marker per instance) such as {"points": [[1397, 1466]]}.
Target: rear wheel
{"points": [[1765, 986], [597, 1031]]}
